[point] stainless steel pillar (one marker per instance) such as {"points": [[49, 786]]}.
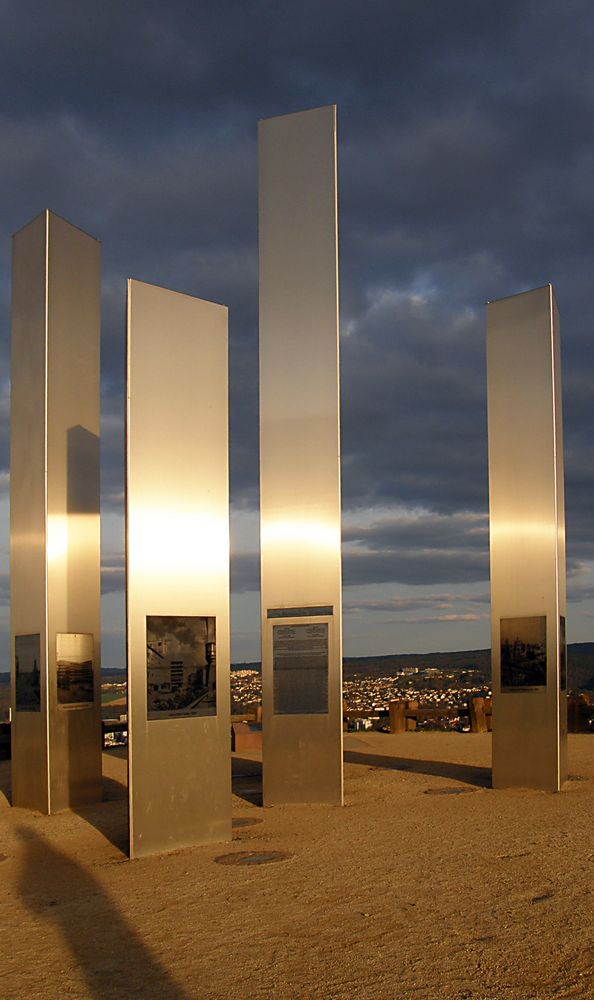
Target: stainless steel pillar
{"points": [[527, 523], [300, 459], [177, 511], [54, 525]]}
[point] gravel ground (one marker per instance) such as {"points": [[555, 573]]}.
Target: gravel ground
{"points": [[405, 892]]}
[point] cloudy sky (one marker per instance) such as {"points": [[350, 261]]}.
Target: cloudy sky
{"points": [[466, 173]]}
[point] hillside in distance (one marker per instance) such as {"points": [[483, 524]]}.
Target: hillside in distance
{"points": [[384, 666], [580, 664], [580, 667]]}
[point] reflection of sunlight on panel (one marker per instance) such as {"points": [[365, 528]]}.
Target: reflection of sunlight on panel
{"points": [[57, 537], [70, 535], [83, 534], [300, 458], [518, 529], [177, 534], [176, 541], [320, 534], [527, 541]]}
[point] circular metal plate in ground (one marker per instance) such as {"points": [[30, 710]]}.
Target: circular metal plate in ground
{"points": [[448, 791], [240, 821], [252, 857]]}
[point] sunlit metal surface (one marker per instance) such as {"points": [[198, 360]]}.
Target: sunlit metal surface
{"points": [[527, 513], [55, 583], [178, 560], [300, 444]]}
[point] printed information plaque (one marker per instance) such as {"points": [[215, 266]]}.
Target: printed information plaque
{"points": [[300, 665]]}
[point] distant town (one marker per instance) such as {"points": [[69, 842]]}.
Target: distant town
{"points": [[366, 700], [440, 684]]}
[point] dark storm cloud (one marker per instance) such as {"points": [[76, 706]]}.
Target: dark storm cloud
{"points": [[407, 567], [245, 572], [414, 550], [450, 619], [112, 455], [578, 592], [466, 163], [113, 574], [444, 603], [414, 408], [459, 532], [414, 567], [233, 53], [417, 549]]}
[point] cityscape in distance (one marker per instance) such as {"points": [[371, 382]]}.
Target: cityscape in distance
{"points": [[433, 680]]}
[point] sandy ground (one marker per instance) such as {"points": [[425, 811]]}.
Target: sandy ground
{"points": [[487, 894]]}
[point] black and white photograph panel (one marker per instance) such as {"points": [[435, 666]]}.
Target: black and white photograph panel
{"points": [[74, 663], [27, 663], [180, 666], [523, 653]]}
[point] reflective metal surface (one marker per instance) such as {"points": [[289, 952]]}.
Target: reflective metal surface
{"points": [[177, 567], [527, 523], [300, 439], [55, 559]]}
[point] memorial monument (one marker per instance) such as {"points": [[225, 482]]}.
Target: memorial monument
{"points": [[527, 527], [300, 459], [54, 517], [177, 527]]}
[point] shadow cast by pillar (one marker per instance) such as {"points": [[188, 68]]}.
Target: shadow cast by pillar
{"points": [[6, 779], [246, 777], [110, 816], [470, 774], [109, 953]]}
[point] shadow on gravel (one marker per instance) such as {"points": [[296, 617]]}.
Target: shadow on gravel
{"points": [[470, 774], [246, 779], [5, 780], [103, 945], [110, 816]]}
